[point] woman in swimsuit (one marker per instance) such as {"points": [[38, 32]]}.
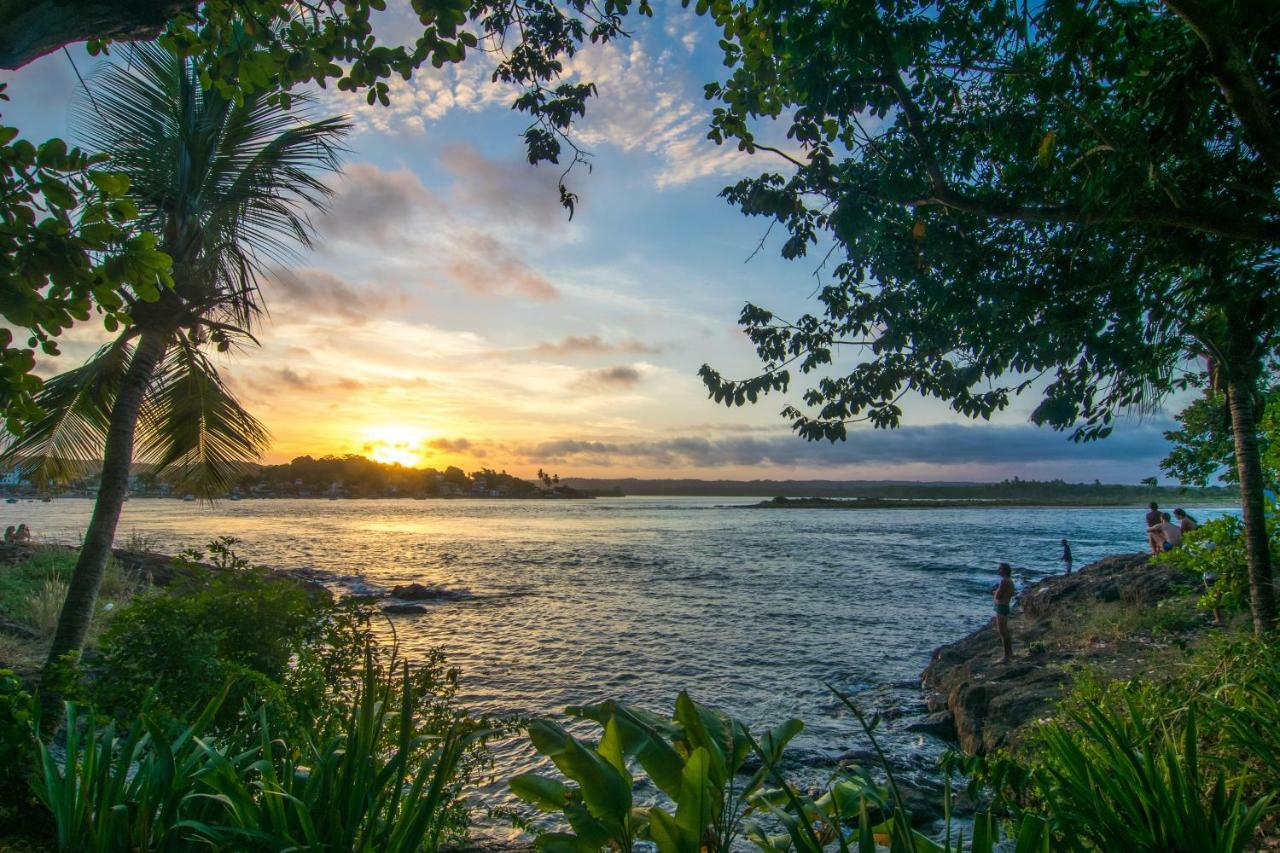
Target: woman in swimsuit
{"points": [[1002, 593]]}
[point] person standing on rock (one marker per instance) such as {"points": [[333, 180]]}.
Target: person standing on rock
{"points": [[1154, 518], [1002, 593], [1066, 556]]}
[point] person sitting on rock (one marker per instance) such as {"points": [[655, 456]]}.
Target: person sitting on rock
{"points": [[23, 535], [1002, 593], [1167, 533], [9, 534], [1153, 519], [1185, 522]]}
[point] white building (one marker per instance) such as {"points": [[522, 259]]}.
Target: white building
{"points": [[11, 478]]}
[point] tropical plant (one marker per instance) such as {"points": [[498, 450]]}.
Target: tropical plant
{"points": [[226, 183], [1076, 201], [695, 759], [1113, 780], [384, 778]]}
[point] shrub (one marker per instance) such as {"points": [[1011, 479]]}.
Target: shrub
{"points": [[1217, 548], [237, 624], [17, 743]]}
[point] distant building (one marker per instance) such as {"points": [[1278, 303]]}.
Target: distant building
{"points": [[11, 478]]}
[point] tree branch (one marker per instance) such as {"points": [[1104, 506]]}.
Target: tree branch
{"points": [[1229, 64], [31, 28]]}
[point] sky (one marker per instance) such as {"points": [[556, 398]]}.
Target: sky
{"points": [[452, 314]]}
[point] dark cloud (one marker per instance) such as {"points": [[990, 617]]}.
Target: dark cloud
{"points": [[593, 345], [292, 378], [1136, 446], [513, 190], [371, 205], [620, 376], [317, 291], [490, 268], [450, 445]]}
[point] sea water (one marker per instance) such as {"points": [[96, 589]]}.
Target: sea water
{"points": [[564, 602]]}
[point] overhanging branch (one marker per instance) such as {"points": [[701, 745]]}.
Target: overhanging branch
{"points": [[31, 28]]}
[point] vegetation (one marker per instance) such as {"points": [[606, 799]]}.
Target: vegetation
{"points": [[987, 173], [1180, 764], [228, 185], [357, 475], [1204, 449]]}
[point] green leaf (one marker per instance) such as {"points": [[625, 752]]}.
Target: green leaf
{"points": [[111, 183], [549, 795]]}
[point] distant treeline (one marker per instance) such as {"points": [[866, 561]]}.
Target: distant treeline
{"points": [[1029, 491]]}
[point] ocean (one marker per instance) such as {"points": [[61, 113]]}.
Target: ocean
{"points": [[566, 602]]}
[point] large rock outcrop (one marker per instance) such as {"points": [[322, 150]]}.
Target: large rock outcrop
{"points": [[990, 702]]}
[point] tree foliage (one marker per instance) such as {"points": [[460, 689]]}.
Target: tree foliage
{"points": [[1203, 450], [1054, 198]]}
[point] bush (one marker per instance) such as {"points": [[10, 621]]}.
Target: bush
{"points": [[17, 743], [178, 648], [1217, 549]]}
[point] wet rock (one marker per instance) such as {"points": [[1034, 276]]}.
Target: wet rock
{"points": [[416, 592], [940, 724], [403, 609]]}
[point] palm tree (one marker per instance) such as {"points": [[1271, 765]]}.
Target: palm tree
{"points": [[225, 187]]}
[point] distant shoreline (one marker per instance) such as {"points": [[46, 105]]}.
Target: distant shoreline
{"points": [[947, 503]]}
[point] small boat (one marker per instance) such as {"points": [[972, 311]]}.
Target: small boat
{"points": [[188, 497], [234, 498], [46, 500], [11, 500]]}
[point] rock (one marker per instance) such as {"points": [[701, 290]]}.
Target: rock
{"points": [[15, 629], [940, 724], [416, 592], [990, 703], [403, 609]]}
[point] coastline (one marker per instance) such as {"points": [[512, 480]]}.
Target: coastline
{"points": [[1122, 617]]}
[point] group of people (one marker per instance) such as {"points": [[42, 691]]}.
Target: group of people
{"points": [[19, 535], [1162, 533]]}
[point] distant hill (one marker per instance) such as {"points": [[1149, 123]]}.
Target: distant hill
{"points": [[1029, 491]]}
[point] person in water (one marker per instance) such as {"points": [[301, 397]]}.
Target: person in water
{"points": [[1185, 522], [1002, 593], [1066, 555], [1153, 520]]}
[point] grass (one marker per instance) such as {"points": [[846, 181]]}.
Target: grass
{"points": [[32, 592]]}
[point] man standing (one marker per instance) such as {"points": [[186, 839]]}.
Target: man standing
{"points": [[1066, 555], [1154, 519]]}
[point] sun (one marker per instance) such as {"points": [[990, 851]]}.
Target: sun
{"points": [[394, 445]]}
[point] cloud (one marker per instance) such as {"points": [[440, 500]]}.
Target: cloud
{"points": [[644, 105], [450, 445], [488, 267], [593, 345], [427, 97], [389, 223], [940, 445], [309, 290], [513, 190], [621, 376]]}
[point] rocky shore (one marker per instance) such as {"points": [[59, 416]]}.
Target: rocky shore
{"points": [[1123, 616]]}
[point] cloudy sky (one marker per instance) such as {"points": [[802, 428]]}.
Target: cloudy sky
{"points": [[452, 314]]}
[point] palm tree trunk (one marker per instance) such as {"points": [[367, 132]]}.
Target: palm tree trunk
{"points": [[117, 456], [1240, 399]]}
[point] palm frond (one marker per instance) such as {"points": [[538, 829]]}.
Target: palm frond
{"points": [[193, 427], [226, 184], [66, 443]]}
